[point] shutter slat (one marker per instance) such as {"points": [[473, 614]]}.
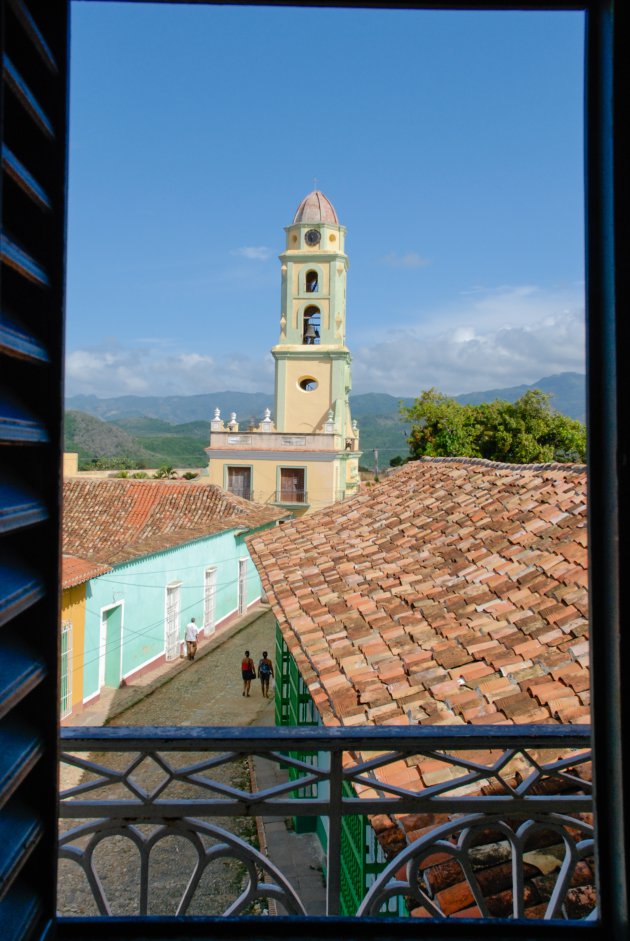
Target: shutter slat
{"points": [[18, 508], [20, 832], [19, 427], [21, 750], [26, 97], [34, 38], [23, 14], [14, 256], [15, 341], [19, 910], [25, 180], [19, 674], [19, 589]]}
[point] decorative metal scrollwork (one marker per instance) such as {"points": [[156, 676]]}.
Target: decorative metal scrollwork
{"points": [[228, 846], [456, 840]]}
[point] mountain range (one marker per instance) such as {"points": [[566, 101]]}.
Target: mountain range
{"points": [[155, 430]]}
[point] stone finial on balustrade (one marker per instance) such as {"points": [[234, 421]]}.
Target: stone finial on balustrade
{"points": [[233, 424], [217, 424], [266, 423], [329, 424]]}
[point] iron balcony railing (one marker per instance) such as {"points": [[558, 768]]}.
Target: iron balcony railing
{"points": [[244, 492], [171, 791], [291, 496]]}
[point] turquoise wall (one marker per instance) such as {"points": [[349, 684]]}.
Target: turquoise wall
{"points": [[141, 586]]}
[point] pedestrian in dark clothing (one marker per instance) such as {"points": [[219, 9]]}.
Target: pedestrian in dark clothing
{"points": [[265, 672]]}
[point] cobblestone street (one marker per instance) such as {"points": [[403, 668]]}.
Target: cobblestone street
{"points": [[206, 691]]}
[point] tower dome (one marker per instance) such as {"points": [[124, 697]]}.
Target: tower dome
{"points": [[316, 208]]}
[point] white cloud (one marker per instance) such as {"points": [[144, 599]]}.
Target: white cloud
{"points": [[112, 369], [489, 338], [504, 337], [253, 252], [408, 260]]}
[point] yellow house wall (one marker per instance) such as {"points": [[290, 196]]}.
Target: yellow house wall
{"points": [[70, 464], [73, 610], [321, 477], [305, 412]]}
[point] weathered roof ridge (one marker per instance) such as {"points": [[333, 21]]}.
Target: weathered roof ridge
{"points": [[502, 465]]}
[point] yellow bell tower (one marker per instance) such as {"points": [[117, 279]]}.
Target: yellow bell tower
{"points": [[307, 455], [312, 360]]}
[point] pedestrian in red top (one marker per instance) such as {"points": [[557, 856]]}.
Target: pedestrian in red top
{"points": [[248, 671]]}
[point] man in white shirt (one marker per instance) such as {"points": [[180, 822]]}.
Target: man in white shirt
{"points": [[191, 638]]}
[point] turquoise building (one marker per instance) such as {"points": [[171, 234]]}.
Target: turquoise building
{"points": [[173, 550]]}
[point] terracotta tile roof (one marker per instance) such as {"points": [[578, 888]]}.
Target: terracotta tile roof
{"points": [[75, 571], [113, 520], [453, 592]]}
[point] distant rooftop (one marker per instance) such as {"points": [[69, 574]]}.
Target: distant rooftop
{"points": [[113, 520]]}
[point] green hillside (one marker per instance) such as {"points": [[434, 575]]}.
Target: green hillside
{"points": [[150, 430], [108, 442]]}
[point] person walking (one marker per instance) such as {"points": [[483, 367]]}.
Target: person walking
{"points": [[265, 672], [248, 672], [191, 638]]}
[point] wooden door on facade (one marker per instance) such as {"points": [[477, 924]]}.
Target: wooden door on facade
{"points": [[292, 485], [239, 481]]}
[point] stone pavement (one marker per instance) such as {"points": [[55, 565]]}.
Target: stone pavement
{"points": [[298, 855], [212, 695]]}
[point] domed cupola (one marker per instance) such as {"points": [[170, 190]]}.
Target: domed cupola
{"points": [[316, 208]]}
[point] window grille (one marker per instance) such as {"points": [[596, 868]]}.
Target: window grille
{"points": [[171, 626], [209, 599], [65, 668]]}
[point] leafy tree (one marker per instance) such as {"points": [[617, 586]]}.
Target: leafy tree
{"points": [[527, 431]]}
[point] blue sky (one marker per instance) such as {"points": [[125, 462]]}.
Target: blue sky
{"points": [[449, 143]]}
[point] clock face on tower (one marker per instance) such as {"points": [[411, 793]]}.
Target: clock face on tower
{"points": [[312, 237]]}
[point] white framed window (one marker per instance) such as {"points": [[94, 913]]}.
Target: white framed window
{"points": [[242, 586], [65, 679], [172, 620], [209, 599]]}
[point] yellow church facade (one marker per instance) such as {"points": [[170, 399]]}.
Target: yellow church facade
{"points": [[306, 454]]}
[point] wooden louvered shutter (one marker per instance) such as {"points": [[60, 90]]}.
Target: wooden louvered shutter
{"points": [[33, 131]]}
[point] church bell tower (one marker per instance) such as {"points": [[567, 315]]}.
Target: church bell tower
{"points": [[307, 455], [312, 360]]}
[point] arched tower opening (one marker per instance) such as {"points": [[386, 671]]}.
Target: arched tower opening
{"points": [[311, 327]]}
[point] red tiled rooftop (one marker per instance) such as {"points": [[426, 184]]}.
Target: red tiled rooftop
{"points": [[482, 564], [453, 592], [75, 571], [113, 520]]}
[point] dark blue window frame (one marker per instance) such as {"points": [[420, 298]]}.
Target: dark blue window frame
{"points": [[34, 45]]}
